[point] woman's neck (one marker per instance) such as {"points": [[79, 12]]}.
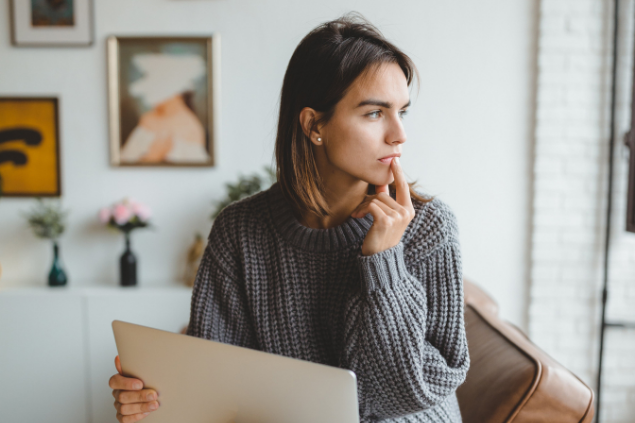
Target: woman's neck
{"points": [[342, 200]]}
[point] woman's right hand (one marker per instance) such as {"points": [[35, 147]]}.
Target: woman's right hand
{"points": [[132, 402]]}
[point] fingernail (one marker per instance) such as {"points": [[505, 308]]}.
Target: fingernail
{"points": [[146, 413], [396, 159], [138, 386], [150, 397], [153, 406]]}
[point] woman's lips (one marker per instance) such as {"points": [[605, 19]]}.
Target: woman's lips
{"points": [[386, 160]]}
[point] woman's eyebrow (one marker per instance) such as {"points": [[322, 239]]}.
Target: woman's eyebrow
{"points": [[385, 104]]}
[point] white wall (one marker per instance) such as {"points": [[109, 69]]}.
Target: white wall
{"points": [[469, 130]]}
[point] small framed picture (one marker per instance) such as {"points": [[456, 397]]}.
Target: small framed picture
{"points": [[52, 23], [163, 99], [29, 147]]}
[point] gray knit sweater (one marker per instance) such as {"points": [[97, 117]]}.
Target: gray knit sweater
{"points": [[395, 318]]}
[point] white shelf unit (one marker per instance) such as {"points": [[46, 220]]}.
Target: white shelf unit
{"points": [[57, 348]]}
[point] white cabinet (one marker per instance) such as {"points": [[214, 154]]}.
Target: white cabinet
{"points": [[42, 359], [57, 349], [161, 309]]}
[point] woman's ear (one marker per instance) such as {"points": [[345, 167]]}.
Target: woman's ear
{"points": [[308, 116]]}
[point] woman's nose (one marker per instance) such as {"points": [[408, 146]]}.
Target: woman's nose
{"points": [[397, 133]]}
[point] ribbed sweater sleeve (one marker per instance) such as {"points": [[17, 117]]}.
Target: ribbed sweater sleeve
{"points": [[219, 306], [404, 333]]}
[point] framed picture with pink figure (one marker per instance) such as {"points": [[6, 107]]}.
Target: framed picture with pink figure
{"points": [[163, 99]]}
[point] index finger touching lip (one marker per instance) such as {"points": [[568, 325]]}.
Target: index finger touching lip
{"points": [[403, 189]]}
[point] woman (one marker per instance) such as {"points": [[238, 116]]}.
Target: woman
{"points": [[340, 262]]}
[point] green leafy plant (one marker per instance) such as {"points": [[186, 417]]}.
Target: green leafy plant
{"points": [[246, 186], [47, 219]]}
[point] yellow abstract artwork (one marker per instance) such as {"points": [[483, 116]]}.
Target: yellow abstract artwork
{"points": [[29, 147]]}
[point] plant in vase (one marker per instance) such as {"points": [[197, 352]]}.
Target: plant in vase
{"points": [[246, 186], [126, 216], [48, 221]]}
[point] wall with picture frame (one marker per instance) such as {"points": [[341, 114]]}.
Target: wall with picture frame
{"points": [[474, 104]]}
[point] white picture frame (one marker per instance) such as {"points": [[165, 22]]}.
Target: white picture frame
{"points": [[52, 23]]}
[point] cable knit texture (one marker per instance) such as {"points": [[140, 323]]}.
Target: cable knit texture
{"points": [[395, 318]]}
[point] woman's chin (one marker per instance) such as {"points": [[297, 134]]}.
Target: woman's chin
{"points": [[380, 181]]}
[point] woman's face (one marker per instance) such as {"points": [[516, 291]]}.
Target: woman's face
{"points": [[367, 126]]}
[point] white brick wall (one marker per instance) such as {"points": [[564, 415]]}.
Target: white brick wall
{"points": [[570, 182]]}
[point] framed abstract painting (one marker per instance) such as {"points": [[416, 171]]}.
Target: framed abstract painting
{"points": [[54, 23], [29, 147], [163, 99]]}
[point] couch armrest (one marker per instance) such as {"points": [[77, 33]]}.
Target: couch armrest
{"points": [[475, 295], [510, 378]]}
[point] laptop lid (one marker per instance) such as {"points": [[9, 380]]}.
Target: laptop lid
{"points": [[203, 381]]}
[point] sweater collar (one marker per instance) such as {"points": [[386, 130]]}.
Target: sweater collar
{"points": [[351, 232]]}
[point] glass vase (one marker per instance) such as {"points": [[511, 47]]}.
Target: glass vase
{"points": [[57, 276]]}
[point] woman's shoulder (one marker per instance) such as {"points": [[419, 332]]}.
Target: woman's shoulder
{"points": [[240, 214], [244, 216], [434, 223], [228, 229], [241, 208]]}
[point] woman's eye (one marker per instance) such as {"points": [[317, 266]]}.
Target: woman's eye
{"points": [[377, 113]]}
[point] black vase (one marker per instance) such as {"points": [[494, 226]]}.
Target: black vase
{"points": [[57, 276], [128, 266]]}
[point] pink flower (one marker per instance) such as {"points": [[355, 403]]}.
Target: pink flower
{"points": [[122, 214], [104, 215], [142, 211]]}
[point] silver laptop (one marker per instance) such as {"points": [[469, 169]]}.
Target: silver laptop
{"points": [[201, 381]]}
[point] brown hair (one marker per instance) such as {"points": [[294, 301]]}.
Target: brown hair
{"points": [[321, 70]]}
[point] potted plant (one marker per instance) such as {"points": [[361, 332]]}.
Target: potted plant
{"points": [[48, 221], [126, 216], [246, 186]]}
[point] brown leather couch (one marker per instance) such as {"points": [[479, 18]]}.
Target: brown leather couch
{"points": [[511, 379]]}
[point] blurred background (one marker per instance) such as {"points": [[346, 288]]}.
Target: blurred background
{"points": [[511, 127]]}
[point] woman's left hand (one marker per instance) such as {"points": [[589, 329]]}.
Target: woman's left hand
{"points": [[390, 217]]}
